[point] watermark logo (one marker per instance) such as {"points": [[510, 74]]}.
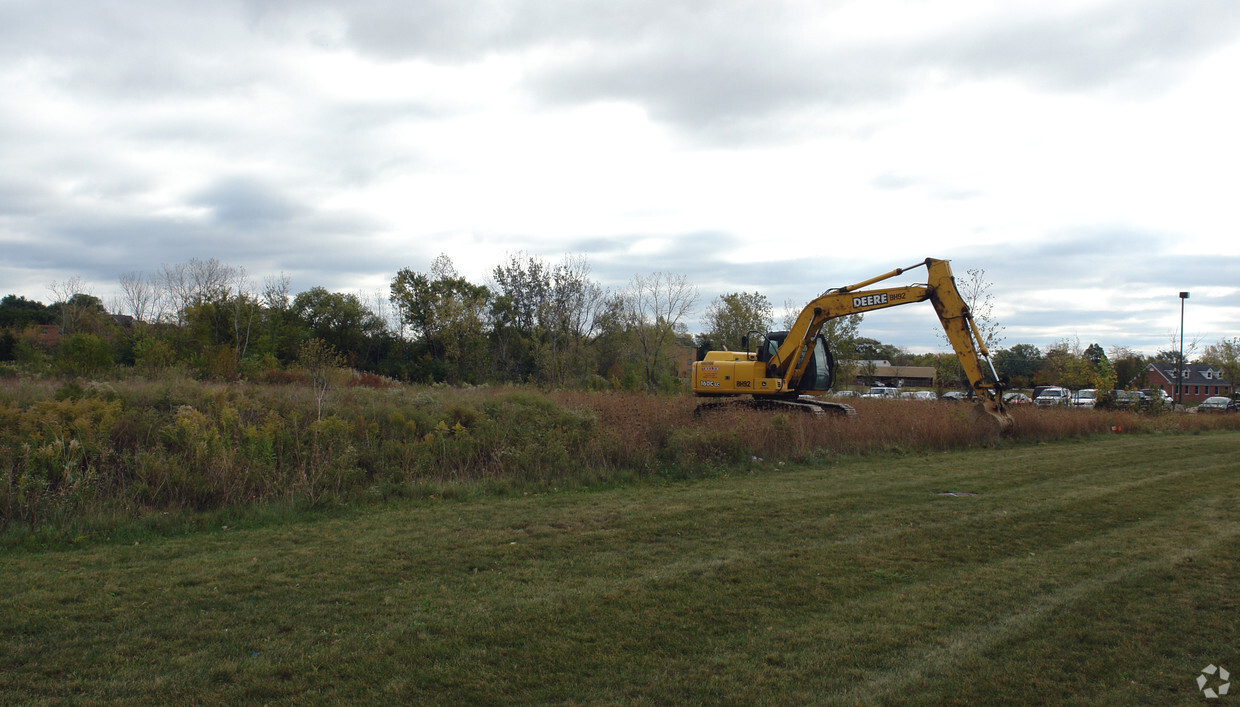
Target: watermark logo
{"points": [[1212, 675]]}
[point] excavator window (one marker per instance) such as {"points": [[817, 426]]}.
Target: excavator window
{"points": [[821, 370], [770, 344], [818, 374]]}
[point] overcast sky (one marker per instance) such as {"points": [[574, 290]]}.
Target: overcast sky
{"points": [[1083, 154]]}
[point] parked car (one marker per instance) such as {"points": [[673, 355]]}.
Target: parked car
{"points": [[1053, 395], [1156, 395], [1084, 398], [845, 394], [1017, 399], [921, 395], [955, 395], [881, 391], [1037, 390], [1218, 403], [1130, 399]]}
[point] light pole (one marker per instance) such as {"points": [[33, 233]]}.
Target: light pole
{"points": [[1179, 372]]}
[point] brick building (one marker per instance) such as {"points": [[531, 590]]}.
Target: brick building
{"points": [[1200, 381]]}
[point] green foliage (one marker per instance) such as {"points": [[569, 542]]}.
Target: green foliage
{"points": [[1103, 378], [342, 321], [1019, 364], [84, 355], [1225, 356], [868, 349], [17, 313], [446, 312], [154, 355], [731, 317], [8, 346]]}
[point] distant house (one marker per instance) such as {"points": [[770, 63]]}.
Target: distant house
{"points": [[48, 335], [883, 373], [1200, 381], [683, 356]]}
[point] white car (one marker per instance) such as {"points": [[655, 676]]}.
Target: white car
{"points": [[1053, 396], [880, 391], [1084, 398]]}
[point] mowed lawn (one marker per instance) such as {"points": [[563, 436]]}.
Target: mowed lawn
{"points": [[1099, 572]]}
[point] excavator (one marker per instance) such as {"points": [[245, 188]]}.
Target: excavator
{"points": [[791, 367]]}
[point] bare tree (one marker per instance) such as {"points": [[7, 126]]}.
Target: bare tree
{"points": [[138, 295], [276, 291], [177, 289], [244, 305], [975, 291], [570, 317], [655, 306], [210, 280], [71, 306], [320, 359]]}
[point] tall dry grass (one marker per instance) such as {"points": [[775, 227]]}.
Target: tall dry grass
{"points": [[129, 447]]}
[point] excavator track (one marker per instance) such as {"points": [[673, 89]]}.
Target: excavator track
{"points": [[805, 405]]}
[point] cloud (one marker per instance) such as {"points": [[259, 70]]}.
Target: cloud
{"points": [[735, 63], [245, 203], [1074, 150]]}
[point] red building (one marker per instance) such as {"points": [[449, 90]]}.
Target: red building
{"points": [[48, 335], [1200, 381]]}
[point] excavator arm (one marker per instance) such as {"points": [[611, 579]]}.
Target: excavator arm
{"points": [[787, 365]]}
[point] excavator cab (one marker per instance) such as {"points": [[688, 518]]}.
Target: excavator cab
{"points": [[819, 373]]}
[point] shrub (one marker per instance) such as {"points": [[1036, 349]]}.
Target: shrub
{"points": [[84, 355], [142, 445]]}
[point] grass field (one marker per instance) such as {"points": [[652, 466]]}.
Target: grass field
{"points": [[1101, 571]]}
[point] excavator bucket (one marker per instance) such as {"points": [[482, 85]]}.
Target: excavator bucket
{"points": [[996, 411]]}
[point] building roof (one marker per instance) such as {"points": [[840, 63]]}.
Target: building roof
{"points": [[1194, 373]]}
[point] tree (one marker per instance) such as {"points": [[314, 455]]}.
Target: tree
{"points": [[947, 372], [615, 343], [84, 355], [17, 313], [1171, 356], [1064, 365], [1018, 364], [8, 345], [1094, 354], [571, 318], [138, 295], [874, 350], [320, 359], [446, 313], [1129, 366], [195, 283], [731, 317], [76, 305], [519, 312], [280, 335], [341, 320], [1225, 356], [975, 291], [1102, 377], [655, 307]]}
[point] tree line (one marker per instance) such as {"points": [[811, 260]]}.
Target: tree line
{"points": [[531, 322]]}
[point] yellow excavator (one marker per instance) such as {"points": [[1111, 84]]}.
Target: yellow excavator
{"points": [[791, 367]]}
